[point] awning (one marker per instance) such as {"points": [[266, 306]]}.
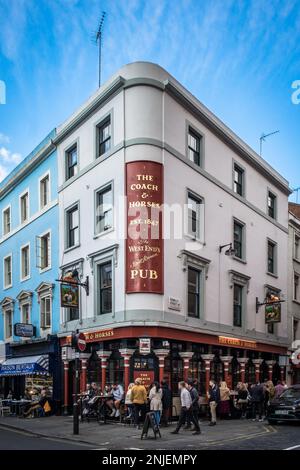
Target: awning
{"points": [[25, 365]]}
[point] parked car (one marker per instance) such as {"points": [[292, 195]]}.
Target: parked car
{"points": [[286, 407]]}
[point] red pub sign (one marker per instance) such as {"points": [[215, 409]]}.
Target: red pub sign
{"points": [[144, 243]]}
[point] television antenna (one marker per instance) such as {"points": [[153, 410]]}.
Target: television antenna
{"points": [[97, 39], [296, 190], [263, 138]]}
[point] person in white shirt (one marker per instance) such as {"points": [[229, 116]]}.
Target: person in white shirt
{"points": [[186, 403]]}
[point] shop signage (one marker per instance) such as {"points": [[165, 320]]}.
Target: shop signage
{"points": [[26, 330], [145, 346], [240, 343], [174, 304], [98, 335], [272, 310], [69, 293], [147, 377], [144, 241], [79, 342]]}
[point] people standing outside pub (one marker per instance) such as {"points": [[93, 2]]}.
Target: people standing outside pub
{"points": [[166, 402], [155, 398], [213, 395], [186, 403], [257, 401], [118, 396], [242, 399], [194, 410], [139, 400], [224, 405], [128, 401]]}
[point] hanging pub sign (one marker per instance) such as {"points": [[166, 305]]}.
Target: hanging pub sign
{"points": [[69, 292], [144, 241], [272, 309]]}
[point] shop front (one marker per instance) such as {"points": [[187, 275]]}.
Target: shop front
{"points": [[122, 354], [32, 366]]}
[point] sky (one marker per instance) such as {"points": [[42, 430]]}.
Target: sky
{"points": [[238, 57]]}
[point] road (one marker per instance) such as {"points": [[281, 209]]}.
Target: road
{"points": [[19, 440], [221, 437]]}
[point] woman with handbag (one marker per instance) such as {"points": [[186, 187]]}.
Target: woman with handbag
{"points": [[242, 399]]}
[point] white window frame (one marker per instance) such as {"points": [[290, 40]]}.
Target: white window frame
{"points": [[42, 299], [5, 312], [8, 286], [25, 278], [295, 273], [23, 304], [26, 191], [200, 216], [42, 270], [296, 235], [97, 191], [3, 212], [40, 181]]}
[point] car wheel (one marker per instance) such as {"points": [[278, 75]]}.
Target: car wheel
{"points": [[272, 421]]}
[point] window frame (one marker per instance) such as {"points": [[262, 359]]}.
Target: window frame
{"points": [[42, 299], [296, 255], [98, 126], [5, 312], [198, 294], [69, 210], [25, 304], [8, 286], [42, 235], [191, 129], [25, 278], [41, 178], [4, 210], [243, 241], [275, 258], [242, 169], [96, 193], [200, 236], [241, 313], [21, 197], [296, 298], [275, 198], [67, 152]]}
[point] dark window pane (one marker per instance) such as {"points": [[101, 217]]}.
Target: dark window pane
{"points": [[238, 240], [105, 275], [237, 305], [238, 180], [271, 205], [104, 210], [193, 292], [104, 131], [194, 147], [71, 162]]}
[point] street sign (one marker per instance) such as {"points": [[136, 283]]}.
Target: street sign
{"points": [[26, 330], [81, 342]]}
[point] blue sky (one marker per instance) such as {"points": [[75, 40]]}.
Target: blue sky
{"points": [[239, 58]]}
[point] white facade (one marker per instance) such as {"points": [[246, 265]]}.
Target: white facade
{"points": [[150, 116]]}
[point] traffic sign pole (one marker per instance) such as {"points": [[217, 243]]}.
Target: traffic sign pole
{"points": [[80, 345]]}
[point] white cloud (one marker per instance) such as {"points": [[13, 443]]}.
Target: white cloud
{"points": [[3, 172], [8, 157]]}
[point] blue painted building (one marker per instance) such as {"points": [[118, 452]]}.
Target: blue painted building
{"points": [[29, 295]]}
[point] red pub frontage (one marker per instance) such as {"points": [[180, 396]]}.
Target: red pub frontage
{"points": [[115, 356]]}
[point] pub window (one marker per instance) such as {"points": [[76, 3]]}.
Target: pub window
{"points": [[44, 191], [194, 278], [238, 180], [238, 239], [194, 215], [296, 286], [104, 209], [237, 305], [43, 251], [297, 247], [25, 313], [25, 269], [115, 369], [7, 271], [71, 162], [194, 147], [45, 311], [105, 287], [8, 324], [24, 207], [271, 205], [72, 226], [271, 257], [104, 136], [6, 221]]}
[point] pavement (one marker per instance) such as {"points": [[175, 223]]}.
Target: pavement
{"points": [[231, 434]]}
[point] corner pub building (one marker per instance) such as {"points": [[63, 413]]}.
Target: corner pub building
{"points": [[144, 156]]}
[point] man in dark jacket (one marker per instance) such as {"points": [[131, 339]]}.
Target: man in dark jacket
{"points": [[213, 395], [257, 401], [166, 402], [194, 410]]}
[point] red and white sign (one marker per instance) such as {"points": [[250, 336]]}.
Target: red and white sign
{"points": [[81, 342]]}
